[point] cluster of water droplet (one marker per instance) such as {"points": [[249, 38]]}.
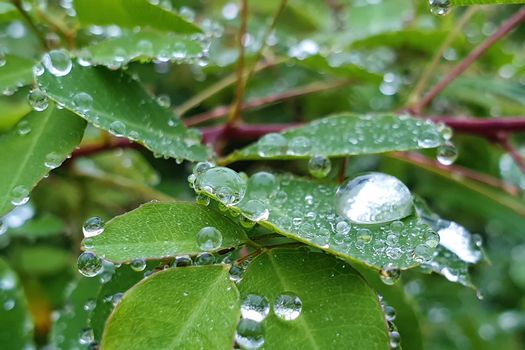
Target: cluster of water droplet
{"points": [[390, 316], [275, 144]]}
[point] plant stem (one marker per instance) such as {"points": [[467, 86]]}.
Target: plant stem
{"points": [[241, 81], [29, 20], [504, 141], [505, 28], [429, 70], [488, 128]]}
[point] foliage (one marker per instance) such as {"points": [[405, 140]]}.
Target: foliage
{"points": [[261, 174]]}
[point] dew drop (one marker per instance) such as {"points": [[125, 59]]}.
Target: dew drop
{"points": [[447, 153], [138, 265], [57, 62], [83, 101], [90, 305], [249, 334], [373, 198], [389, 274], [209, 238], [202, 167], [342, 227], [423, 253], [9, 304], [202, 199], [319, 166], [19, 195], [255, 210], [255, 307], [439, 7], [236, 273], [93, 227], [364, 235], [164, 101], [23, 128], [429, 139], [299, 146], [262, 185], [272, 144], [287, 306], [204, 258], [226, 184], [38, 100], [117, 128], [182, 261], [395, 339], [89, 264], [86, 336], [53, 160]]}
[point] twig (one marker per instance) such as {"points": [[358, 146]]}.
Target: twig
{"points": [[504, 141], [29, 20], [241, 81], [223, 111], [431, 67], [488, 128], [506, 27]]}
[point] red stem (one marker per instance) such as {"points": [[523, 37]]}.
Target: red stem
{"points": [[488, 128], [506, 27], [504, 141]]}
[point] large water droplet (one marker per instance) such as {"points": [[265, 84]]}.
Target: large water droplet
{"points": [[439, 7], [271, 145], [459, 241], [430, 139], [262, 185], [299, 146], [182, 261], [93, 227], [209, 238], [287, 306], [117, 128], [204, 258], [249, 334], [83, 101], [53, 160], [255, 210], [138, 264], [373, 198], [447, 153], [226, 184], [89, 264], [19, 195], [38, 100], [255, 307], [319, 166], [57, 62], [86, 336], [390, 274]]}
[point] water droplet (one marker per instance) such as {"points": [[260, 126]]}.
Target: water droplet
{"points": [[19, 195], [447, 153], [225, 183], [255, 210], [430, 139], [342, 227], [182, 261], [319, 166], [364, 235], [138, 265], [373, 198], [236, 273], [209, 238], [116, 298], [390, 313], [23, 127], [90, 305], [390, 274], [93, 227], [423, 253], [89, 264], [9, 304], [202, 199], [249, 334], [459, 241], [262, 185], [201, 167], [86, 336], [53, 160], [395, 339], [272, 144], [164, 101], [57, 62], [299, 146], [38, 100], [117, 128], [439, 7], [287, 306], [83, 102], [204, 258], [255, 307]]}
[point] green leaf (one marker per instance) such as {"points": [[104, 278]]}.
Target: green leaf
{"points": [[40, 260], [304, 210], [195, 307], [352, 72], [408, 39], [16, 72], [73, 319], [130, 14], [53, 134], [113, 101], [46, 225], [8, 12], [159, 230], [346, 134], [16, 327], [335, 300], [484, 2], [143, 47]]}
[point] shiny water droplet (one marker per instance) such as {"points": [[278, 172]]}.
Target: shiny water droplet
{"points": [[430, 139], [38, 69], [423, 253], [9, 304], [93, 227], [319, 166], [19, 195], [57, 62], [299, 146], [89, 264], [287, 306], [236, 273], [255, 210], [53, 160], [209, 238], [447, 153], [23, 127], [83, 102], [395, 339], [342, 227], [249, 334], [204, 258], [202, 199], [90, 305], [373, 198], [271, 145], [364, 235], [262, 185], [86, 336], [390, 274], [226, 184], [255, 307], [164, 101], [138, 265], [201, 167], [117, 128], [439, 7], [38, 100], [116, 298], [182, 261]]}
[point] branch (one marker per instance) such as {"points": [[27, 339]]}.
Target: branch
{"points": [[488, 128], [506, 27]]}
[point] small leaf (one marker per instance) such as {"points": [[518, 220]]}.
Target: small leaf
{"points": [[325, 286], [40, 138], [115, 102], [143, 47], [174, 308], [159, 230], [344, 135], [15, 73], [130, 14], [16, 327]]}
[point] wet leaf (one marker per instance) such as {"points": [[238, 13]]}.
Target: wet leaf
{"points": [[130, 14], [347, 134], [16, 72], [325, 286], [173, 308], [348, 71], [115, 102], [48, 137], [16, 326], [159, 230]]}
